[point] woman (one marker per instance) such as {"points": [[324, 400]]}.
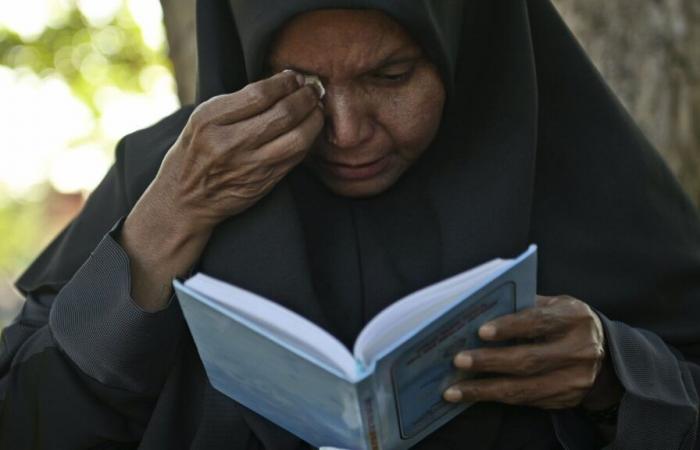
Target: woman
{"points": [[450, 133]]}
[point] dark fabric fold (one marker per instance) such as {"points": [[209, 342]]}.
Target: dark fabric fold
{"points": [[105, 333]]}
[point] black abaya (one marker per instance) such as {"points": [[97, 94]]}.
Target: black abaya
{"points": [[532, 148]]}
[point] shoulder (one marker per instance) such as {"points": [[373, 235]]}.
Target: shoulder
{"points": [[139, 154]]}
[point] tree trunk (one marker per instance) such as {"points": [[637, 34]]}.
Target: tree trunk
{"points": [[649, 52], [179, 18]]}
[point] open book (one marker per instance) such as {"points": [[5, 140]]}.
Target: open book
{"points": [[387, 393]]}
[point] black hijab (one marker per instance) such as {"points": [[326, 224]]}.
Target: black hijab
{"points": [[344, 260], [532, 148]]}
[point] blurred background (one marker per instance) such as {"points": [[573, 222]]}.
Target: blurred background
{"points": [[77, 75]]}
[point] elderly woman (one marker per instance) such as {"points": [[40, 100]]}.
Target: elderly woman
{"points": [[450, 132]]}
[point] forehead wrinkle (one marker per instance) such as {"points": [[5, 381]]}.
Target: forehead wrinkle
{"points": [[314, 44]]}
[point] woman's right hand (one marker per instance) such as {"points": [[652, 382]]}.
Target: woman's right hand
{"points": [[236, 147], [231, 153]]}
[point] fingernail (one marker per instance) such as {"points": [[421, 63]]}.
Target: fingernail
{"points": [[299, 77], [463, 360], [452, 395], [487, 331]]}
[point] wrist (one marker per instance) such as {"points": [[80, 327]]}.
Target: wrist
{"points": [[161, 245], [166, 223], [606, 392]]}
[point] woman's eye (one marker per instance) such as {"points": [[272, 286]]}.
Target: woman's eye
{"points": [[392, 77]]}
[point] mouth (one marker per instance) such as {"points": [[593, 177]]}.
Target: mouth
{"points": [[356, 171]]}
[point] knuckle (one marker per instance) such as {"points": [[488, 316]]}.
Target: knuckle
{"points": [[540, 314], [279, 120], [247, 192], [244, 137], [595, 352], [287, 155], [297, 139], [261, 174], [254, 95], [583, 382], [514, 396], [530, 364], [587, 353], [284, 113], [581, 309], [205, 144], [199, 117]]}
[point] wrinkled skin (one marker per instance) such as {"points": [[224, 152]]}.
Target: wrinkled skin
{"points": [[556, 365], [384, 99]]}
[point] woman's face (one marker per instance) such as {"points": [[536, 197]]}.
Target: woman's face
{"points": [[383, 101]]}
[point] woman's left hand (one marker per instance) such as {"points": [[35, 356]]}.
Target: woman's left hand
{"points": [[557, 370]]}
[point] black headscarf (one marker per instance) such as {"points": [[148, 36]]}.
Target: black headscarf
{"points": [[537, 149], [351, 258], [533, 148]]}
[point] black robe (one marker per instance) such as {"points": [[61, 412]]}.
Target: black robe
{"points": [[533, 147]]}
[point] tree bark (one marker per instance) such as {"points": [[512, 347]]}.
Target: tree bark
{"points": [[179, 19], [647, 51]]}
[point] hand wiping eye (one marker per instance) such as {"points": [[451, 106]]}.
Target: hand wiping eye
{"points": [[316, 83]]}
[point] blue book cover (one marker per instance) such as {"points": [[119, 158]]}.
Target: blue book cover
{"points": [[387, 393]]}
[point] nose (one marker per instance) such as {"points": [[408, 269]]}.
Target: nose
{"points": [[348, 119]]}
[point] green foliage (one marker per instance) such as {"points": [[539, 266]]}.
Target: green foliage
{"points": [[86, 57], [23, 223]]}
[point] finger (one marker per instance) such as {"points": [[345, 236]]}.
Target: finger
{"points": [[287, 146], [253, 99], [254, 175], [530, 323], [509, 390], [560, 400], [283, 116], [543, 300], [284, 152], [519, 360]]}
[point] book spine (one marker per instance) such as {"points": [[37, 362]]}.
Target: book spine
{"points": [[369, 412]]}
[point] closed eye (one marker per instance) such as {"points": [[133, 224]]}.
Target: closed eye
{"points": [[392, 76]]}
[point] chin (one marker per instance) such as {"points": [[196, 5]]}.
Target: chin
{"points": [[359, 188]]}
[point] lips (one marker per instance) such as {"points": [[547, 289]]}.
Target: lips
{"points": [[356, 171], [351, 165]]}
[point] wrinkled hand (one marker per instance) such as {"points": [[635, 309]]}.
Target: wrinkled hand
{"points": [[236, 147], [556, 369], [233, 150]]}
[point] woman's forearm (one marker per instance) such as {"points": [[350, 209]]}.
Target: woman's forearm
{"points": [[161, 245]]}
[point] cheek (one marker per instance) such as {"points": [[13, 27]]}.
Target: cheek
{"points": [[411, 115]]}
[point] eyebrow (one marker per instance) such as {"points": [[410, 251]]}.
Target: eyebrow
{"points": [[389, 60]]}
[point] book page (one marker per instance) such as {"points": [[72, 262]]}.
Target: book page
{"points": [[281, 323], [407, 314], [264, 375]]}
